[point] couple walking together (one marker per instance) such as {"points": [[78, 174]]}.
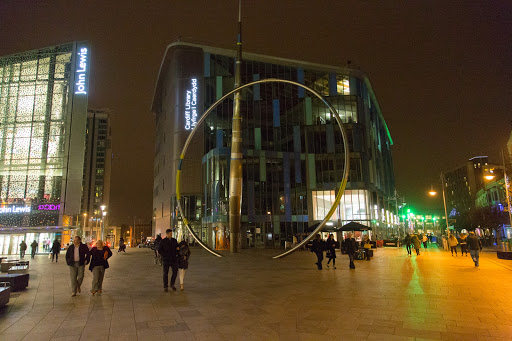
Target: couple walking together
{"points": [[78, 256], [174, 256]]}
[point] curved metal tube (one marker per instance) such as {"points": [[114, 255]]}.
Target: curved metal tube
{"points": [[213, 106]]}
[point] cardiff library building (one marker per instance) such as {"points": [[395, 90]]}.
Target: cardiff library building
{"points": [[293, 152], [43, 112]]}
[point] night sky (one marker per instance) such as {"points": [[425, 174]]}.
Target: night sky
{"points": [[441, 70]]}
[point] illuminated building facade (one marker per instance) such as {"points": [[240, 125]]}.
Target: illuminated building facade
{"points": [[43, 106], [293, 151]]}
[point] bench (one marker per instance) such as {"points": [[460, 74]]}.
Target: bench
{"points": [[17, 281], [7, 264], [5, 293], [18, 269]]}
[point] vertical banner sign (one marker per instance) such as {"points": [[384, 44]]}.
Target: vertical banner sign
{"points": [[82, 60], [191, 105]]}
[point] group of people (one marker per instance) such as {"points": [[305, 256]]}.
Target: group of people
{"points": [[349, 246], [471, 242], [78, 256], [416, 241], [173, 256], [55, 249]]}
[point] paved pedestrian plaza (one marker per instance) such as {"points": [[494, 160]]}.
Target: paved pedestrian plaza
{"points": [[250, 296]]}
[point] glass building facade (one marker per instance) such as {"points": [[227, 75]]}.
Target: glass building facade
{"points": [[293, 150], [43, 103]]}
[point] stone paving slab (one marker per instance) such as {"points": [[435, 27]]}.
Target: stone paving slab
{"points": [[250, 296]]}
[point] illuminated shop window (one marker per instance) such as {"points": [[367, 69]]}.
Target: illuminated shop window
{"points": [[353, 206]]}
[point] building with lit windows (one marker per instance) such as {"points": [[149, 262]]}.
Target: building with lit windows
{"points": [[97, 167], [293, 150], [464, 182], [43, 111]]}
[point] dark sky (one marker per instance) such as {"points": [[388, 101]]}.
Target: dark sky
{"points": [[441, 70]]}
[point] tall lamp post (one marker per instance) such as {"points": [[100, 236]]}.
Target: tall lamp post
{"points": [[103, 214], [83, 227], [432, 193]]}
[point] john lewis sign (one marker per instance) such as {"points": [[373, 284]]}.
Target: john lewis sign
{"points": [[82, 61], [14, 209]]}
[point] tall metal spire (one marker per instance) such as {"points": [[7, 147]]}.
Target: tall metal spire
{"points": [[235, 169]]}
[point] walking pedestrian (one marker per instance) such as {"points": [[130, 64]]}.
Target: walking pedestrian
{"points": [[122, 246], [417, 244], [318, 248], [331, 251], [33, 247], [408, 244], [425, 240], [452, 242], [23, 248], [463, 244], [55, 250], [183, 256], [168, 250], [367, 246], [351, 249], [430, 238], [475, 246], [77, 257], [158, 239], [99, 262]]}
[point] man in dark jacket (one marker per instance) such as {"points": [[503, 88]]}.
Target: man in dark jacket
{"points": [[23, 248], [351, 248], [34, 249], [168, 250], [408, 243], [318, 248], [77, 257], [55, 250], [475, 246]]}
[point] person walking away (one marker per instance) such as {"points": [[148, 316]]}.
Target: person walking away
{"points": [[408, 242], [23, 248], [430, 238], [463, 244], [452, 242], [475, 246], [77, 257], [318, 248], [425, 240], [331, 251], [417, 244], [183, 256], [351, 249], [99, 262], [33, 247], [122, 246], [367, 246], [55, 250], [168, 250], [158, 239]]}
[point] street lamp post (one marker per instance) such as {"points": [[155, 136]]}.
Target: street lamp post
{"points": [[103, 214], [433, 193]]}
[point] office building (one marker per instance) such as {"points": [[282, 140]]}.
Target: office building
{"points": [[97, 170], [293, 151]]}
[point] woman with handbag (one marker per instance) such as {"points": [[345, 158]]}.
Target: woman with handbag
{"points": [[183, 256], [331, 254]]}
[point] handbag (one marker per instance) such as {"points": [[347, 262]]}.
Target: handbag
{"points": [[367, 246]]}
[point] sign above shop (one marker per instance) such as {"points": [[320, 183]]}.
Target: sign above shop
{"points": [[49, 207], [14, 209]]}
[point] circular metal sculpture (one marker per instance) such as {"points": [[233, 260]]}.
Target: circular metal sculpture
{"points": [[345, 170]]}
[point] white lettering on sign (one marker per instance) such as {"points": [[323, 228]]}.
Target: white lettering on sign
{"points": [[191, 105], [15, 209], [81, 71]]}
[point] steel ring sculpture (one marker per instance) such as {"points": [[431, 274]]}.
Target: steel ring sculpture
{"points": [[345, 170]]}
